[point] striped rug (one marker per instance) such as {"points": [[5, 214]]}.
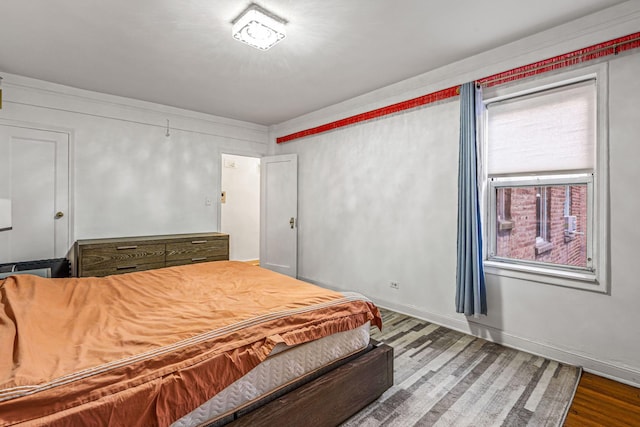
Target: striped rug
{"points": [[447, 378]]}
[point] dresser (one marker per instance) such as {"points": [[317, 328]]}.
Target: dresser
{"points": [[103, 257]]}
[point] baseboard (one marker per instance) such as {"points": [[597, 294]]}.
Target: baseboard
{"points": [[605, 369]]}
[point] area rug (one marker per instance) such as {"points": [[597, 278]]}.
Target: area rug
{"points": [[447, 378]]}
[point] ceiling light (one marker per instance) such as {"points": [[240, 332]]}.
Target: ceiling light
{"points": [[258, 27]]}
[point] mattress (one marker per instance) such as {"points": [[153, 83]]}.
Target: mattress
{"points": [[282, 367]]}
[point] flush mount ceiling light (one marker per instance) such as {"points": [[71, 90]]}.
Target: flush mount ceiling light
{"points": [[258, 27]]}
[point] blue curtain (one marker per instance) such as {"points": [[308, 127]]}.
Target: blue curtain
{"points": [[471, 298]]}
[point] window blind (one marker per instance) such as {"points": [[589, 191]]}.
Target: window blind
{"points": [[548, 131]]}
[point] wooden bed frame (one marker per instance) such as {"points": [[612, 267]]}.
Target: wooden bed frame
{"points": [[325, 398]]}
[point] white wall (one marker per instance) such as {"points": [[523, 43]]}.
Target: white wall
{"points": [[378, 203], [129, 179], [240, 215]]}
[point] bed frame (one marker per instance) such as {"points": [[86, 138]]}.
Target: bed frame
{"points": [[325, 398]]}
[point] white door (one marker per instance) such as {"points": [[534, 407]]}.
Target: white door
{"points": [[279, 214], [240, 205], [34, 175]]}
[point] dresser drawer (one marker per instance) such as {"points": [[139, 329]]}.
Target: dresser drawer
{"points": [[121, 269], [119, 258], [197, 250], [196, 260]]}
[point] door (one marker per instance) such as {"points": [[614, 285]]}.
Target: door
{"points": [[34, 176], [240, 205], [279, 214]]}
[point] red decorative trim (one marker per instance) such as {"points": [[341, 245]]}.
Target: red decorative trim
{"points": [[611, 47], [384, 111]]}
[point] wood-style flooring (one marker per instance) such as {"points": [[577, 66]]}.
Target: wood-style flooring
{"points": [[603, 402]]}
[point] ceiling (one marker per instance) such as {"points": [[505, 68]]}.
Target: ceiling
{"points": [[181, 53]]}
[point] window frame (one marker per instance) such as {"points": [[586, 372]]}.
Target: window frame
{"points": [[542, 219], [595, 277]]}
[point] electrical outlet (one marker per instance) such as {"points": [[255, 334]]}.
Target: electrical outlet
{"points": [[395, 285]]}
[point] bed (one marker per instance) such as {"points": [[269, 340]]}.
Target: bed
{"points": [[156, 347]]}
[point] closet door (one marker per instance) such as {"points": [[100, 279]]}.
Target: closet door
{"points": [[34, 177], [279, 214]]}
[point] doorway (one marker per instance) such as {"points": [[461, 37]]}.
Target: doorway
{"points": [[240, 206]]}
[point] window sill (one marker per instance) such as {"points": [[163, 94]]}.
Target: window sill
{"points": [[543, 247], [505, 224], [571, 279]]}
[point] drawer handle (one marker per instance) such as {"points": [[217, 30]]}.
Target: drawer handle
{"points": [[122, 248], [198, 259], [127, 267], [198, 242]]}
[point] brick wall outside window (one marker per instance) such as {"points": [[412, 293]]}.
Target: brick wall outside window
{"points": [[519, 241]]}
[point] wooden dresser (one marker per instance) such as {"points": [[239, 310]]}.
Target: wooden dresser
{"points": [[102, 257]]}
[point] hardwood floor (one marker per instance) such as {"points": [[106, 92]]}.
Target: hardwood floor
{"points": [[603, 402]]}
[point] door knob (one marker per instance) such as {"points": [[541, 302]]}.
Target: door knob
{"points": [[59, 215], [292, 222]]}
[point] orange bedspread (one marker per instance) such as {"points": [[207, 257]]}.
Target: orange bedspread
{"points": [[147, 348]]}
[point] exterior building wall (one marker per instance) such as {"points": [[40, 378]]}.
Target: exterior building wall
{"points": [[517, 239]]}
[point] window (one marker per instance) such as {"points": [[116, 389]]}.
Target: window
{"points": [[545, 165], [543, 240]]}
